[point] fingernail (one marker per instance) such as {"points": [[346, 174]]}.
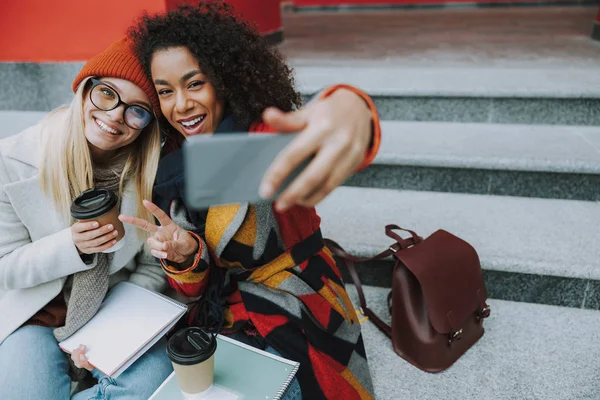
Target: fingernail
{"points": [[115, 233], [266, 190], [95, 224], [281, 206], [109, 227]]}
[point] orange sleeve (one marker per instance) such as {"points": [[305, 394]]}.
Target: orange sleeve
{"points": [[376, 133]]}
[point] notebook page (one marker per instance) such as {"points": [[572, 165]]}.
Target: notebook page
{"points": [[250, 372], [142, 351], [169, 390], [126, 322]]}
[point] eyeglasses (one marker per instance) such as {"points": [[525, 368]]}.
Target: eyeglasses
{"points": [[106, 98]]}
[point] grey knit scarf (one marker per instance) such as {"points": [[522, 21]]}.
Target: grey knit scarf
{"points": [[90, 287]]}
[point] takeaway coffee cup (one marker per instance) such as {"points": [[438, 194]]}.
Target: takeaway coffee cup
{"points": [[100, 205], [191, 350]]}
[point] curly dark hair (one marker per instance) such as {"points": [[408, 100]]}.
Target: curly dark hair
{"points": [[246, 72]]}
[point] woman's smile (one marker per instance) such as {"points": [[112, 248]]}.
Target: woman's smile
{"points": [[192, 125], [106, 128]]}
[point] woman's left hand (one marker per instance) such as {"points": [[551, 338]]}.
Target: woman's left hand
{"points": [[79, 358], [336, 130]]}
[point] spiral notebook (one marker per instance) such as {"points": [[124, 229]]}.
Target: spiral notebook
{"points": [[130, 321], [242, 372]]}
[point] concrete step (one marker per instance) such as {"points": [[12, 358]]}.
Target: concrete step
{"points": [[528, 352], [568, 96], [547, 161], [468, 94], [532, 250]]}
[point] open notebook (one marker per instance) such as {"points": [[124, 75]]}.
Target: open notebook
{"points": [[242, 372], [130, 320]]}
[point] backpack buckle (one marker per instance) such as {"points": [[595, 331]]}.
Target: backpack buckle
{"points": [[454, 336], [483, 313]]}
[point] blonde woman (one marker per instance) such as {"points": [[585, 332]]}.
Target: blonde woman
{"points": [[53, 271]]}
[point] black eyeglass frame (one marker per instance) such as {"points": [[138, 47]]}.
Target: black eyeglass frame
{"points": [[96, 82]]}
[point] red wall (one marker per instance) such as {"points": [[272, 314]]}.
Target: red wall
{"points": [[69, 30], [267, 17], [64, 30]]}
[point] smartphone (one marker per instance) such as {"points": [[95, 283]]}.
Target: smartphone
{"points": [[228, 168]]}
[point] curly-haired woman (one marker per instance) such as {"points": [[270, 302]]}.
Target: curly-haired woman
{"points": [[266, 264]]}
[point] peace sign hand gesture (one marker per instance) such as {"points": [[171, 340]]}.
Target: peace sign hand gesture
{"points": [[169, 240]]}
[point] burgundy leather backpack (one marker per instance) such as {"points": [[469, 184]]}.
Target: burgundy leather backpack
{"points": [[438, 297]]}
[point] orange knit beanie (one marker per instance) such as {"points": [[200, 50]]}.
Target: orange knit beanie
{"points": [[120, 61]]}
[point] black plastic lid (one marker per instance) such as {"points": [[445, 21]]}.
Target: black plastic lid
{"points": [[191, 346], [93, 203]]}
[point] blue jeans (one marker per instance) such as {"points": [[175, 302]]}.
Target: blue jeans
{"points": [[293, 391], [32, 366]]}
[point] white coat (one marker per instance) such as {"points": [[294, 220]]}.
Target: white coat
{"points": [[37, 252]]}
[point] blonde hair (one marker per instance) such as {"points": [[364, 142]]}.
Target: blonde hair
{"points": [[66, 167]]}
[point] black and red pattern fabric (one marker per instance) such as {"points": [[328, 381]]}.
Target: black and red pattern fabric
{"points": [[296, 300]]}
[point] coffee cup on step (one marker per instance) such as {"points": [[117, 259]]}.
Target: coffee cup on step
{"points": [[99, 205], [191, 350]]}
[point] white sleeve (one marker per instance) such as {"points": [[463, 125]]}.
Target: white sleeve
{"points": [[24, 263]]}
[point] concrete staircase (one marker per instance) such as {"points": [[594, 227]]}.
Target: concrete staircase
{"points": [[503, 151], [514, 170], [526, 195]]}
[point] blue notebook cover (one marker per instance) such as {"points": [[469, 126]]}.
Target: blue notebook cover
{"points": [[242, 372]]}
